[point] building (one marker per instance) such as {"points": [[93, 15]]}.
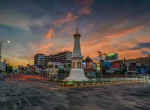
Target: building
{"points": [[62, 57], [141, 60], [88, 65], [47, 59], [39, 59]]}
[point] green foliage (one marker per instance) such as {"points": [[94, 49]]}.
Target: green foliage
{"points": [[57, 81], [78, 82], [70, 82], [9, 69], [60, 71]]}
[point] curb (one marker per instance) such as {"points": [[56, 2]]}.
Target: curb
{"points": [[85, 84]]}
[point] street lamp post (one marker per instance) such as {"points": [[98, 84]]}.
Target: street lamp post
{"points": [[1, 48]]}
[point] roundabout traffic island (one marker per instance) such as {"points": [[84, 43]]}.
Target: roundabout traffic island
{"points": [[93, 82], [76, 83]]}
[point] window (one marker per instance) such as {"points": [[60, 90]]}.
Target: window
{"points": [[78, 64]]}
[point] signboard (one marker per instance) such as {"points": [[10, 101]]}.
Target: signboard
{"points": [[116, 65], [2, 66], [106, 64], [98, 66], [89, 66], [112, 56], [61, 67]]}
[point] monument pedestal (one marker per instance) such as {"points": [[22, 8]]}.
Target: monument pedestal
{"points": [[77, 74]]}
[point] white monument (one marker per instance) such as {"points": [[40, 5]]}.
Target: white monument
{"points": [[76, 73]]}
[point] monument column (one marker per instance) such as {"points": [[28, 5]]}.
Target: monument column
{"points": [[77, 73]]}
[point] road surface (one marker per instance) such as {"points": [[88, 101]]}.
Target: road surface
{"points": [[25, 95]]}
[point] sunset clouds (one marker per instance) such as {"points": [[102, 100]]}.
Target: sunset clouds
{"points": [[48, 27], [85, 6], [125, 32], [69, 17], [49, 34]]}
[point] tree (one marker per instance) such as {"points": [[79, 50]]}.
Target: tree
{"points": [[9, 69]]}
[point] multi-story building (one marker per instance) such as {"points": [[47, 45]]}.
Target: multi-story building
{"points": [[39, 59], [62, 57], [47, 59]]}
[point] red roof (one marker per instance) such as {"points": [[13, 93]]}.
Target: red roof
{"points": [[88, 59]]}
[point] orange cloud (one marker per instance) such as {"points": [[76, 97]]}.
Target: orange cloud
{"points": [[67, 30], [15, 62], [120, 34], [130, 54], [50, 33], [128, 51], [69, 17], [85, 10], [143, 39], [46, 46], [85, 6]]}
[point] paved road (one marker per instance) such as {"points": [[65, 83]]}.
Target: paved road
{"points": [[20, 95]]}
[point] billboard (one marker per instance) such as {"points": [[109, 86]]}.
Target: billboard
{"points": [[106, 64], [98, 67], [115, 65], [112, 56]]}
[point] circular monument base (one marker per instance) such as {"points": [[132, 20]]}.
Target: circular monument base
{"points": [[77, 74]]}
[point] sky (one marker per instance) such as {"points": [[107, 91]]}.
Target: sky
{"points": [[47, 26]]}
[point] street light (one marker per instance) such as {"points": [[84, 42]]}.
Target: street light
{"points": [[1, 47]]}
